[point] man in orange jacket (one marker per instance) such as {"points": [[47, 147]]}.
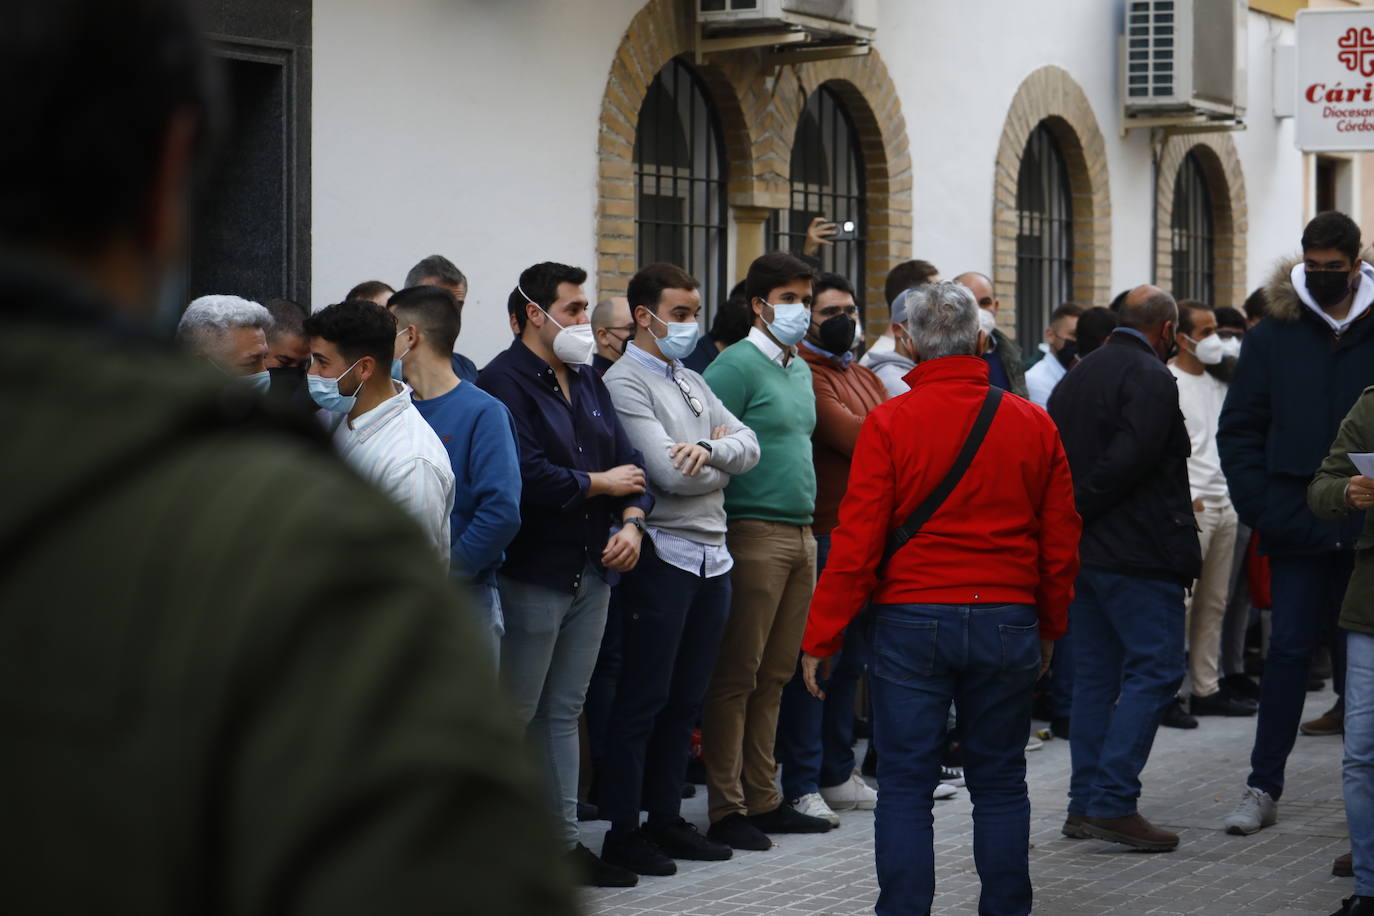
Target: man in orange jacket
{"points": [[966, 609]]}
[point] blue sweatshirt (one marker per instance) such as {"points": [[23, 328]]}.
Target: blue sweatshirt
{"points": [[479, 435]]}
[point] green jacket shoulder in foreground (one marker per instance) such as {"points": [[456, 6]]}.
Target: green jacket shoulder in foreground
{"points": [[235, 680], [1326, 497]]}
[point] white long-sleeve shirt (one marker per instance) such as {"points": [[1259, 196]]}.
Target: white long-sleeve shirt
{"points": [[392, 446]]}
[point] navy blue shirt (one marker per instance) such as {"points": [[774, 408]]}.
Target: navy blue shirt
{"points": [[997, 373], [561, 445], [464, 368]]}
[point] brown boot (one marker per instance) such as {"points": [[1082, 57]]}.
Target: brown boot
{"points": [[1331, 722], [1132, 830], [1073, 828], [1343, 867]]}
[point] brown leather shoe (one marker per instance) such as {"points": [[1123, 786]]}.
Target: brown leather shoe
{"points": [[1343, 867], [1073, 828], [1132, 830], [1328, 723]]}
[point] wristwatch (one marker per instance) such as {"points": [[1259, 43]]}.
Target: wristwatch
{"points": [[706, 445], [637, 521]]}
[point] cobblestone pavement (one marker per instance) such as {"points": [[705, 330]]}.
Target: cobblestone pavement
{"points": [[1192, 781]]}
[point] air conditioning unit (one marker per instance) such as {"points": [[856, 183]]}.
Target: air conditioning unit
{"points": [[1184, 58], [821, 18]]}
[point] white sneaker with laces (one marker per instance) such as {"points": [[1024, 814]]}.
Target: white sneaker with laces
{"points": [[854, 794], [944, 790], [814, 806], [1255, 811], [1034, 744]]}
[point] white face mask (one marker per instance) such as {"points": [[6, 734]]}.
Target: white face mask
{"points": [[1230, 347], [573, 344], [1209, 350]]}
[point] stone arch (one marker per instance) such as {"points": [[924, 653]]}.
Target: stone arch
{"points": [[1216, 153], [1050, 96], [659, 32]]}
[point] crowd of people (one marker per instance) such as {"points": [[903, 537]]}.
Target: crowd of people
{"points": [[247, 679]]}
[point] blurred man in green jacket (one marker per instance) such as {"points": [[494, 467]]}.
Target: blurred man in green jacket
{"points": [[235, 680]]}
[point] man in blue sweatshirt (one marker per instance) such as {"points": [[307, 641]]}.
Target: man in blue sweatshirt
{"points": [[479, 435]]}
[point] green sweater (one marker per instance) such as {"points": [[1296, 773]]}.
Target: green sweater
{"points": [[779, 406], [1326, 497]]}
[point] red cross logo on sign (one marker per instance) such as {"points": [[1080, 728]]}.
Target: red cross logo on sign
{"points": [[1357, 50]]}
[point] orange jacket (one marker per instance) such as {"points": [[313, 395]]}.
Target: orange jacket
{"points": [[843, 398]]}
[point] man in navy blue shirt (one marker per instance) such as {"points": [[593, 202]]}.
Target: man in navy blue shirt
{"points": [[479, 436], [581, 477]]}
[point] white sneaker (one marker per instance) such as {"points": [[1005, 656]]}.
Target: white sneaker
{"points": [[814, 806], [854, 794], [1034, 744], [945, 790], [1255, 811]]}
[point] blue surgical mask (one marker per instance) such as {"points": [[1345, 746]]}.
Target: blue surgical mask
{"points": [[681, 340], [325, 392], [397, 366], [791, 320], [258, 381]]}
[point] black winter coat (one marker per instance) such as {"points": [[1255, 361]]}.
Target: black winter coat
{"points": [[1118, 415], [1295, 382]]}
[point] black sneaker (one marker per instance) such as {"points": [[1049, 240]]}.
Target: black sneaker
{"points": [[1356, 906], [634, 850], [1238, 685], [592, 872], [1175, 716], [786, 819], [952, 775], [1222, 703], [735, 831], [682, 840], [689, 790]]}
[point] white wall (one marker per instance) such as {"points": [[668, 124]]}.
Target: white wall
{"points": [[463, 127]]}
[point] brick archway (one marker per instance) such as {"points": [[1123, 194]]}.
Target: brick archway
{"points": [[1216, 153], [1051, 97]]}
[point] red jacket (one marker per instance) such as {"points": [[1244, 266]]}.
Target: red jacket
{"points": [[1008, 533], [844, 396]]}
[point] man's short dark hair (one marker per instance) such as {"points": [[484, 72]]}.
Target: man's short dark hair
{"points": [[370, 290], [1186, 310], [646, 287], [1332, 229], [436, 269], [770, 271], [357, 328], [1257, 304], [288, 318], [1095, 325], [734, 318], [1228, 317], [540, 284], [906, 275], [828, 281], [92, 89], [1067, 310], [433, 311]]}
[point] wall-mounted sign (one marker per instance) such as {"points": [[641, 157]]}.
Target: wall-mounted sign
{"points": [[1335, 80]]}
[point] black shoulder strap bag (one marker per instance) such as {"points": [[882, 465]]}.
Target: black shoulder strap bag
{"points": [[905, 531]]}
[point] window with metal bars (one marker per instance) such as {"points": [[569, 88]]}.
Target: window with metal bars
{"points": [[1044, 237], [680, 179], [1194, 240], [827, 180]]}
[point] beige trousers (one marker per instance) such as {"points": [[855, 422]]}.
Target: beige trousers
{"points": [[1217, 534], [773, 577]]}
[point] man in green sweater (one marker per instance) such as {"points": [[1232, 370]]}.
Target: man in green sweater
{"points": [[762, 381], [236, 680]]}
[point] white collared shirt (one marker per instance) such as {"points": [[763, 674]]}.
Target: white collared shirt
{"points": [[769, 347], [1364, 296], [392, 446]]}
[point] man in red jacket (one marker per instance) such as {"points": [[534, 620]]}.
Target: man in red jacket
{"points": [[966, 610]]}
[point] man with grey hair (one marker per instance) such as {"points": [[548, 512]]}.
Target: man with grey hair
{"points": [[437, 270], [958, 523], [231, 333], [1127, 444]]}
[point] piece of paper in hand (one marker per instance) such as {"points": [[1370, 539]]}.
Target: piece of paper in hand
{"points": [[1364, 463]]}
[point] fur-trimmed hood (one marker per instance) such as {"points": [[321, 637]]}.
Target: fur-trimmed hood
{"points": [[1282, 299]]}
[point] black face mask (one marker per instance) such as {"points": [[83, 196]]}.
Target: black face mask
{"points": [[1223, 371], [1328, 287], [286, 381], [1067, 353], [837, 334]]}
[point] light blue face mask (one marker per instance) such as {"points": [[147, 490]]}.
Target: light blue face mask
{"points": [[259, 381], [681, 340], [325, 392], [397, 366], [791, 320]]}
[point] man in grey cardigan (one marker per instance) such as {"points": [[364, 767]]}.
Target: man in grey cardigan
{"points": [[676, 599]]}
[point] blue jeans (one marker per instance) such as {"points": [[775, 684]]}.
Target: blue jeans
{"points": [[1128, 649], [485, 600], [1061, 674], [1358, 767], [1307, 593], [986, 659], [670, 626], [547, 656], [815, 743]]}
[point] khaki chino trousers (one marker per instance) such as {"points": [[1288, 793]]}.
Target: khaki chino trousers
{"points": [[1207, 610], [773, 578]]}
